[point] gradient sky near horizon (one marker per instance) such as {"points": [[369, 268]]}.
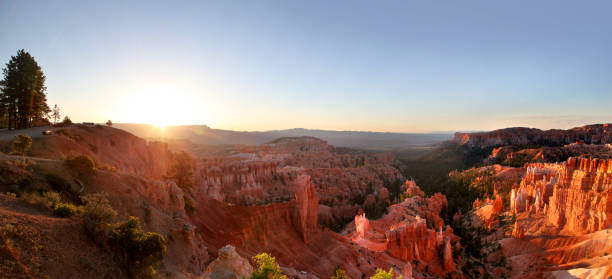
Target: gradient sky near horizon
{"points": [[402, 66]]}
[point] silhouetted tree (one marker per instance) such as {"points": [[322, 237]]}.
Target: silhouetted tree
{"points": [[109, 123], [55, 114], [23, 95], [181, 170], [67, 121]]}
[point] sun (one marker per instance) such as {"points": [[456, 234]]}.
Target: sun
{"points": [[161, 107]]}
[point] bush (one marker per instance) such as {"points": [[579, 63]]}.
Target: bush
{"points": [[382, 274], [64, 210], [339, 274], [97, 214], [44, 201], [58, 183], [97, 208], [82, 165], [141, 251], [266, 268], [21, 144]]}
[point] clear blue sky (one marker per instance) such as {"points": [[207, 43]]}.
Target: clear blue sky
{"points": [[345, 65]]}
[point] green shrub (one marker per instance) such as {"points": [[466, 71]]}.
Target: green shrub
{"points": [[97, 214], [97, 208], [21, 144], [339, 274], [58, 183], [266, 268], [141, 251], [64, 210], [382, 274], [82, 165]]}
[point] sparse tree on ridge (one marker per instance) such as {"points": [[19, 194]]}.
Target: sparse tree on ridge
{"points": [[55, 114], [23, 94], [181, 170], [66, 120]]}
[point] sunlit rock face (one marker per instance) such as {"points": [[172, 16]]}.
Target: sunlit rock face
{"points": [[518, 231], [229, 265], [344, 179], [582, 201], [575, 195], [306, 208], [591, 134], [404, 234]]}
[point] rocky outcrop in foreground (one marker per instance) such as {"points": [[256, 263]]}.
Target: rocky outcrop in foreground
{"points": [[229, 265]]}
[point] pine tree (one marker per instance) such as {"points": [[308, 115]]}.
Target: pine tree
{"points": [[23, 91]]}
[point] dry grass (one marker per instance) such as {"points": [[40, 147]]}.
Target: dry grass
{"points": [[43, 201]]}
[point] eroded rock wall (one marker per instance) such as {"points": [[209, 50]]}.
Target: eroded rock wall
{"points": [[575, 195]]}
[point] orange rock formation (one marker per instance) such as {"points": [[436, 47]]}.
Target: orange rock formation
{"points": [[575, 195], [405, 235]]}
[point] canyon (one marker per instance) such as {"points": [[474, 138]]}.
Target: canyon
{"points": [[278, 197], [316, 207], [558, 199]]}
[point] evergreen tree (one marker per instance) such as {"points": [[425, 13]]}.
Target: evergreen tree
{"points": [[181, 170], [23, 95]]}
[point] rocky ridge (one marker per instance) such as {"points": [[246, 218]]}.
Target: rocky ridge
{"points": [[590, 134]]}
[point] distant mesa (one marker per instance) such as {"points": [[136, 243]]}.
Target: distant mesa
{"points": [[521, 136]]}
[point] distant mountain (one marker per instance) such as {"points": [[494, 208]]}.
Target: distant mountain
{"points": [[206, 135]]}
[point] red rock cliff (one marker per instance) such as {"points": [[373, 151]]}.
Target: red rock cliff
{"points": [[596, 134], [306, 208], [575, 195]]}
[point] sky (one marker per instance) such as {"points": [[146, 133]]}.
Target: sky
{"points": [[399, 66]]}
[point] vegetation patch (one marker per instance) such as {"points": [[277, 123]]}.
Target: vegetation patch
{"points": [[140, 251], [64, 210], [267, 268], [82, 165], [58, 183]]}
